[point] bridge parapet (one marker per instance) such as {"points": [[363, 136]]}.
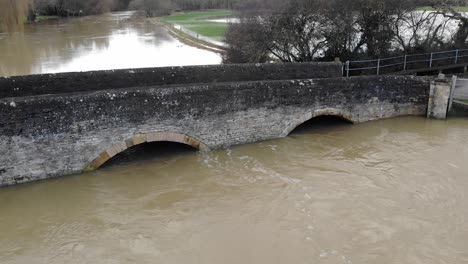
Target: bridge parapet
{"points": [[60, 83]]}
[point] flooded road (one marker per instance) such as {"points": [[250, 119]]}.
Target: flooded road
{"points": [[390, 191], [110, 41]]}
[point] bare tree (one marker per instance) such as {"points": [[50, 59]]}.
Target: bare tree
{"points": [[448, 10], [248, 42], [343, 35], [297, 29], [291, 31], [420, 31]]}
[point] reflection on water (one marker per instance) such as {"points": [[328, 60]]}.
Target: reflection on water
{"points": [[111, 41], [391, 191]]}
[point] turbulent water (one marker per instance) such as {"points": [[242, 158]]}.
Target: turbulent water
{"points": [[391, 191], [109, 41]]}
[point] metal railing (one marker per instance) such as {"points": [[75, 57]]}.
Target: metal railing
{"points": [[406, 63]]}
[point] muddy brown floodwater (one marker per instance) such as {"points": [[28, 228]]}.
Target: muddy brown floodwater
{"points": [[110, 41], [390, 191]]}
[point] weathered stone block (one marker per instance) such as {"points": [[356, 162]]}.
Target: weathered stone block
{"points": [[439, 98]]}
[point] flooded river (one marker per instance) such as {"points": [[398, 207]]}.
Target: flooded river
{"points": [[390, 191], [110, 41]]}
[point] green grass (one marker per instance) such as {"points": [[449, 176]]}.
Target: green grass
{"points": [[42, 18], [196, 22], [190, 16], [429, 8], [45, 18], [463, 100]]}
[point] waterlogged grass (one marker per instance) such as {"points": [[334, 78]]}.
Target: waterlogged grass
{"points": [[44, 18], [429, 8], [190, 16], [197, 22]]}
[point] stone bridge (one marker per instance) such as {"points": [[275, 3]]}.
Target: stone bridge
{"points": [[60, 124]]}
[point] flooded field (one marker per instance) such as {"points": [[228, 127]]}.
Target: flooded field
{"points": [[110, 41]]}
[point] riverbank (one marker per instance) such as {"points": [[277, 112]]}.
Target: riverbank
{"points": [[46, 18], [42, 19]]}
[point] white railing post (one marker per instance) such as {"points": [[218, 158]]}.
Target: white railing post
{"points": [[452, 92], [347, 68], [378, 66], [404, 65], [456, 56], [430, 62]]}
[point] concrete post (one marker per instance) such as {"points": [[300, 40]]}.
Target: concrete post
{"points": [[439, 98]]}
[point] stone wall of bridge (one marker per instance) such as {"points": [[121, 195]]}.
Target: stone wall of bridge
{"points": [[43, 136]]}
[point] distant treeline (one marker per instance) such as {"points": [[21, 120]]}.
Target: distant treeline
{"points": [[77, 7], [150, 7]]}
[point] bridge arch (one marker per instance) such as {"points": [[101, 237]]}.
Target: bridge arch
{"points": [[145, 138], [320, 112]]}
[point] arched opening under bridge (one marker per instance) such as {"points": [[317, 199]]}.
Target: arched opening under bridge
{"points": [[321, 120], [146, 147], [148, 152]]}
